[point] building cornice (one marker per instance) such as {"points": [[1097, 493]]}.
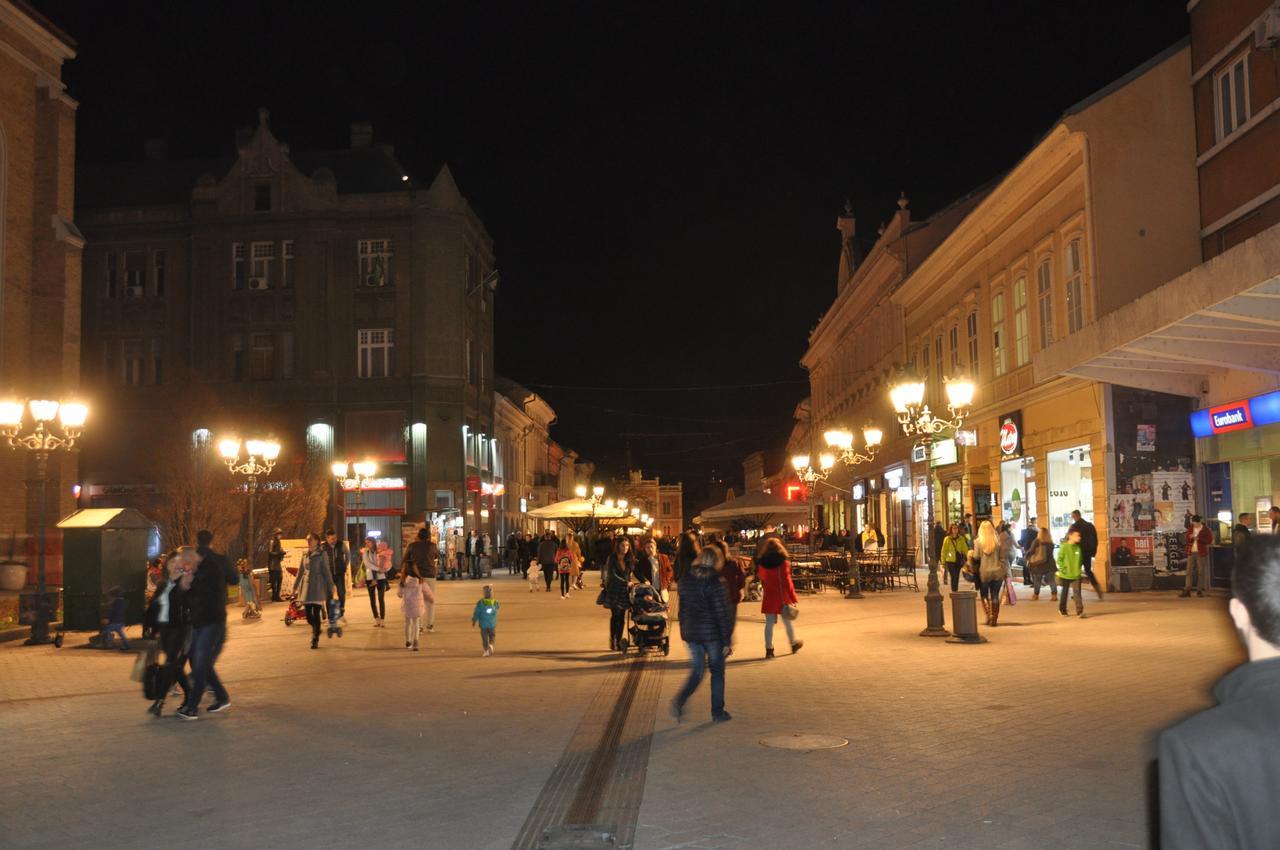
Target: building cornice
{"points": [[35, 32]]}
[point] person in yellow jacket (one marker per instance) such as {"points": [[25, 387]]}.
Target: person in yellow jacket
{"points": [[1070, 560], [955, 548]]}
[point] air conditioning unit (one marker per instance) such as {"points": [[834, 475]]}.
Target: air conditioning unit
{"points": [[133, 292], [1266, 30], [258, 283]]}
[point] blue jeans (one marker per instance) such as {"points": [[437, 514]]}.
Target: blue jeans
{"points": [[701, 656], [114, 628], [206, 645]]}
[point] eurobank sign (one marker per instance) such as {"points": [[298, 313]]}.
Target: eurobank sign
{"points": [[1237, 415]]}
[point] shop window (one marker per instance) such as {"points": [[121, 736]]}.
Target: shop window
{"points": [[1070, 488], [375, 349], [1021, 326], [1231, 96], [1044, 301], [997, 333], [1074, 287], [971, 327]]}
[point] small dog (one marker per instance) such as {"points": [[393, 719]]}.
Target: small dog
{"points": [[536, 581]]}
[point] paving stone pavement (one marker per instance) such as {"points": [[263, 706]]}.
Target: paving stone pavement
{"points": [[1040, 738]]}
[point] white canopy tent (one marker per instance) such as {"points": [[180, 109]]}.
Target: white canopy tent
{"points": [[755, 510], [577, 513]]}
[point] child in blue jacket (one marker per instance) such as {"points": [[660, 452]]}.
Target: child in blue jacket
{"points": [[485, 616]]}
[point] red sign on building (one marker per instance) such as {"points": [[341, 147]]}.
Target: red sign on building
{"points": [[473, 483]]}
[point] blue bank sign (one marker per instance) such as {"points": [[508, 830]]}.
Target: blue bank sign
{"points": [[1237, 415]]}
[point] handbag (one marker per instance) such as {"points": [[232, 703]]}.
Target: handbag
{"points": [[600, 598], [153, 681], [790, 610], [1010, 595]]}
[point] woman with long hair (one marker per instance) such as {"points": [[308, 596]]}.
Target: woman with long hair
{"points": [[167, 619], [687, 549], [314, 587], [415, 594], [1040, 564], [993, 566], [617, 582], [375, 579], [774, 571]]}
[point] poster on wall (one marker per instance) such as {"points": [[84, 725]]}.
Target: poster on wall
{"points": [[1174, 494], [1262, 514], [1131, 551], [1146, 438], [1169, 555], [1132, 513]]}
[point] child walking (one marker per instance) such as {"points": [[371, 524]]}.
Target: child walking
{"points": [[415, 594], [485, 616], [1069, 570], [113, 623]]}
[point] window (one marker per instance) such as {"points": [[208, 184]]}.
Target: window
{"points": [[481, 377], [1021, 325], [937, 352], [375, 262], [924, 366], [971, 325], [237, 357], [1231, 95], [468, 365], [135, 270], [1075, 287], [997, 332], [112, 271], [953, 341], [286, 265], [444, 500], [1044, 301], [264, 254], [286, 354], [666, 508], [158, 260], [131, 350], [262, 197], [375, 349], [262, 357], [239, 278], [157, 360]]}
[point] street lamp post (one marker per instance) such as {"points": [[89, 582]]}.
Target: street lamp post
{"points": [[811, 475], [842, 441], [40, 440], [918, 421], [260, 459], [361, 473]]}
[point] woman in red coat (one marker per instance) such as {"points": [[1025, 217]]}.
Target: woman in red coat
{"points": [[774, 571]]}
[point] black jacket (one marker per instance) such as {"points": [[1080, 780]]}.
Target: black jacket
{"points": [[547, 548], [206, 599], [644, 569], [275, 556], [1240, 536], [177, 610], [336, 557], [1220, 769], [704, 608], [1088, 537]]}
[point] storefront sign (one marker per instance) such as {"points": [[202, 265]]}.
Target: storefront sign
{"points": [[473, 483], [944, 452], [893, 479], [1011, 433], [917, 453], [375, 484], [1237, 415], [859, 491]]}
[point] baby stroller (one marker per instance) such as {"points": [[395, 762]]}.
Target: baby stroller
{"points": [[647, 621]]}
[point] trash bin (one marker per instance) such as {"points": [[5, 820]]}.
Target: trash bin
{"points": [[103, 547]]}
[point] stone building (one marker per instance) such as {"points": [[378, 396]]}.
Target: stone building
{"points": [[663, 502], [327, 298], [39, 255]]}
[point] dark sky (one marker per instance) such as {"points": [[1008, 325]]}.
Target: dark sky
{"points": [[661, 179]]}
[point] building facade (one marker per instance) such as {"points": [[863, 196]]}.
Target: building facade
{"points": [[1099, 212], [326, 298], [663, 502], [39, 258]]}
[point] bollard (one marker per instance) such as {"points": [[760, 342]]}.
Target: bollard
{"points": [[964, 618]]}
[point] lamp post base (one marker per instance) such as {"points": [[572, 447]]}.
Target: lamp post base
{"points": [[935, 622]]}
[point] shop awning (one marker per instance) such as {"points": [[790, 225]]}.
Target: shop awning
{"points": [[1222, 315]]}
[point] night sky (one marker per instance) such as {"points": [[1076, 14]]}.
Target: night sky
{"points": [[661, 179]]}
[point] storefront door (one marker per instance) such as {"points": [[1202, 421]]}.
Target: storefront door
{"points": [[1070, 488]]}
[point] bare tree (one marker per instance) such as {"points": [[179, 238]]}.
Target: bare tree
{"points": [[194, 492]]}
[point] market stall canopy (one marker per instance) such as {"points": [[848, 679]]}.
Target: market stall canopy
{"points": [[758, 508], [619, 523], [576, 509]]}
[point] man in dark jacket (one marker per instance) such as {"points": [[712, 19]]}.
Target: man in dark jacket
{"points": [[424, 554], [1088, 547], [206, 604], [547, 548], [1220, 769], [335, 555], [1240, 536], [275, 564], [707, 628]]}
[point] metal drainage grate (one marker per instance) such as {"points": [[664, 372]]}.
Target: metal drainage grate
{"points": [[805, 741]]}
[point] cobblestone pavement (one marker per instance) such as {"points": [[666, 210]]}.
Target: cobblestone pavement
{"points": [[1040, 738]]}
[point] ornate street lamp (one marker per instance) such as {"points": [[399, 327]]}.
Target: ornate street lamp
{"points": [[841, 440], [811, 475], [354, 476], [595, 496], [918, 421], [42, 437], [260, 459]]}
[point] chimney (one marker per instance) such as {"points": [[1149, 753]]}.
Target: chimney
{"points": [[361, 134], [156, 150]]}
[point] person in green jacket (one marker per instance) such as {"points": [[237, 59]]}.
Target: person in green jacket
{"points": [[1069, 571]]}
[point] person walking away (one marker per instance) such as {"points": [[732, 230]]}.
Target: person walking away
{"points": [[473, 545], [512, 554], [314, 587], [1220, 769], [275, 564], [425, 555], [732, 576], [450, 553], [706, 627], [483, 551], [1199, 539], [564, 568], [166, 619], [375, 580], [952, 555], [939, 535], [617, 583], [687, 549], [1070, 568], [1241, 536], [774, 571], [992, 568], [547, 548], [575, 552], [1040, 564], [335, 552], [415, 596], [113, 622], [206, 603], [1088, 548], [485, 615]]}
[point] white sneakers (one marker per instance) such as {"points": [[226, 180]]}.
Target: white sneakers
{"points": [[486, 653]]}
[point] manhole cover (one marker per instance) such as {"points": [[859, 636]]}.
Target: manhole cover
{"points": [[803, 741]]}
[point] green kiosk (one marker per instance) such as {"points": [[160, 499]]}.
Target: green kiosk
{"points": [[103, 547]]}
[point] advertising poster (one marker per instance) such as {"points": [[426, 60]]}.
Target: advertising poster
{"points": [[1174, 493], [1132, 551], [1132, 513], [1169, 555], [1146, 438]]}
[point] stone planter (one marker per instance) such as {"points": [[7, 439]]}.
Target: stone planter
{"points": [[13, 575]]}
